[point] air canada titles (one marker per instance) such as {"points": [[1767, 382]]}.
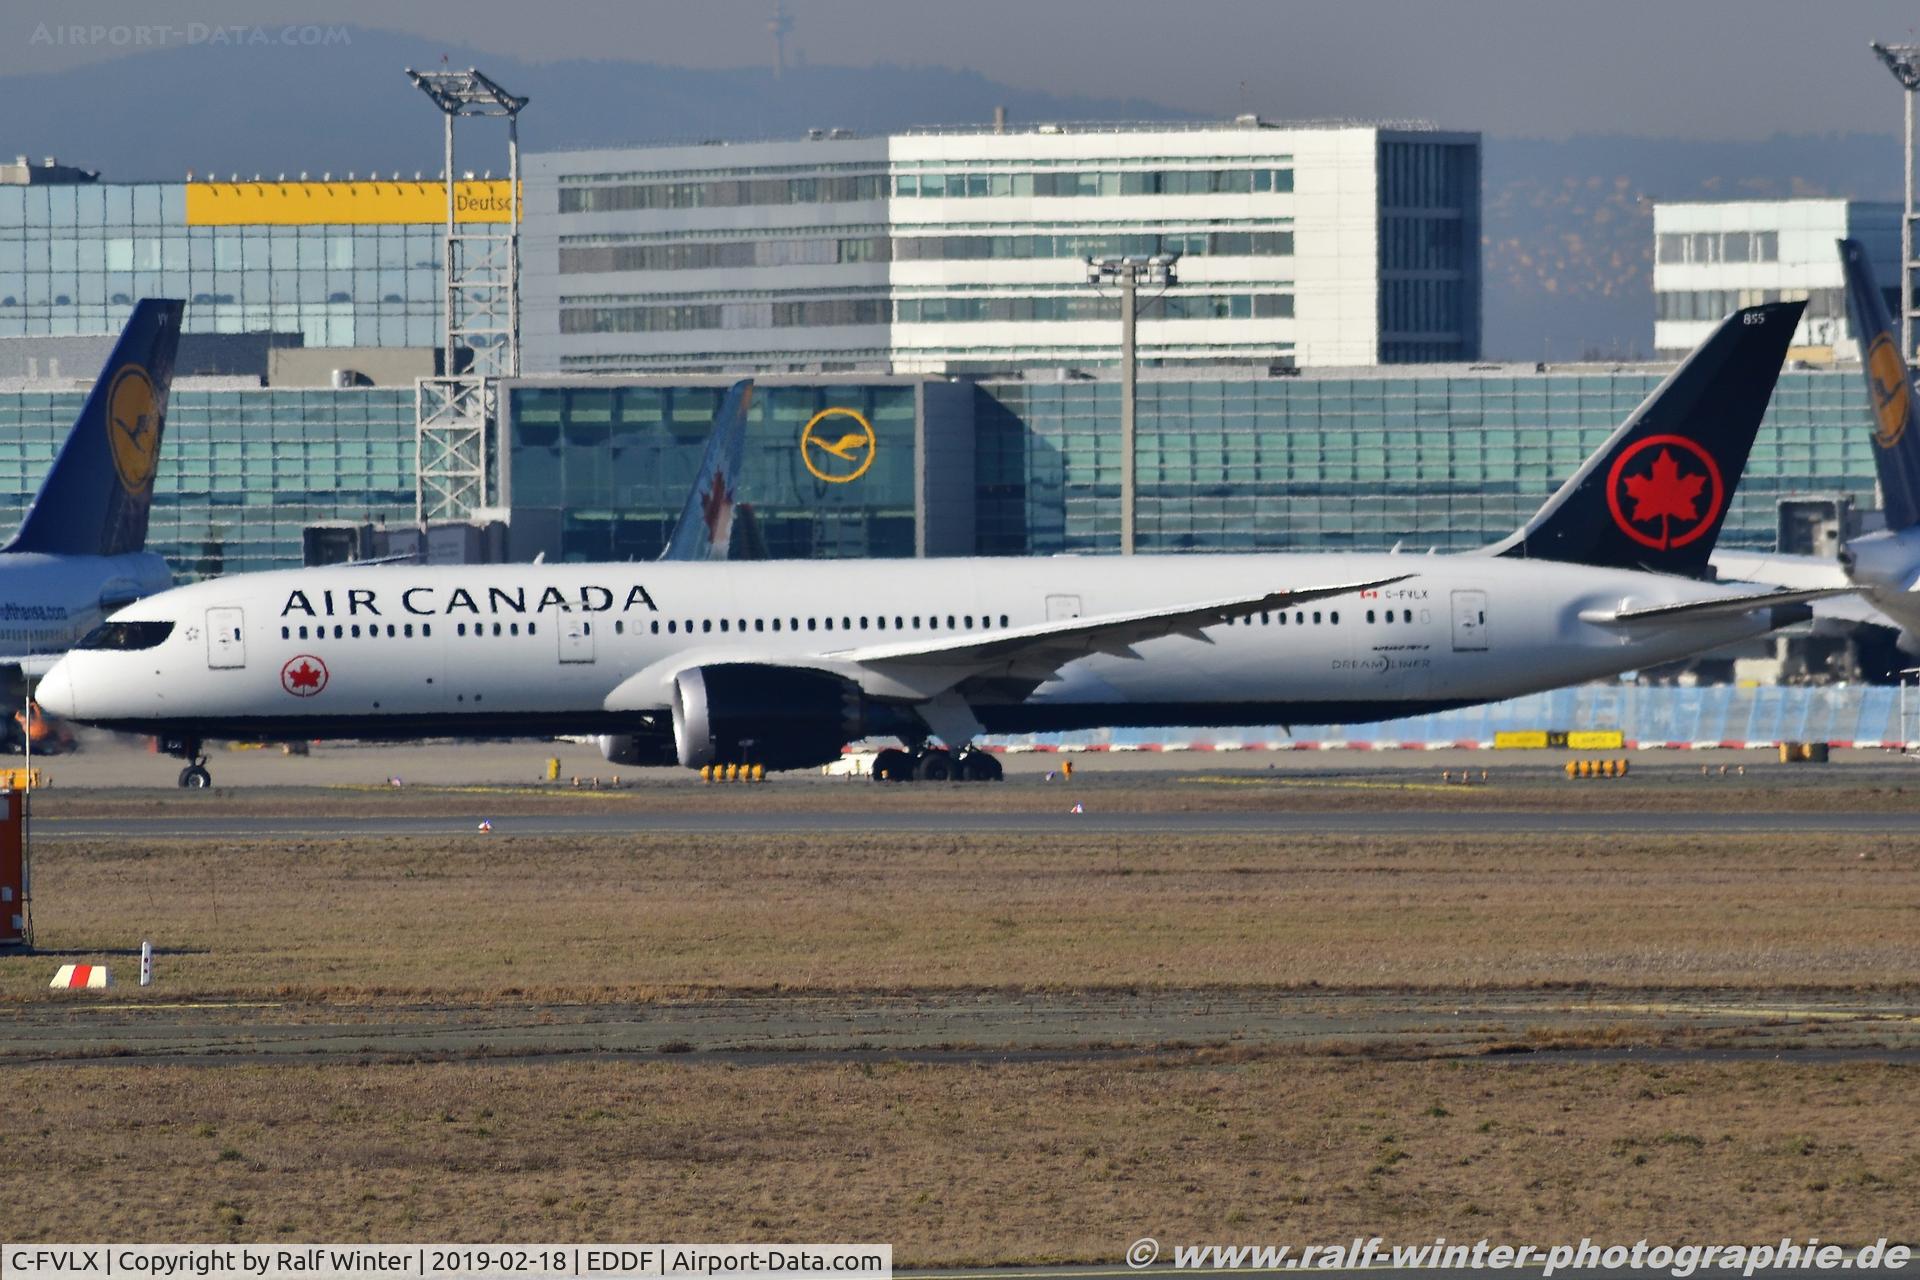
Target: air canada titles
{"points": [[430, 602]]}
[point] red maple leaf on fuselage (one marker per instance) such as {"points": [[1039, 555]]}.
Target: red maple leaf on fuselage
{"points": [[1664, 494], [304, 677]]}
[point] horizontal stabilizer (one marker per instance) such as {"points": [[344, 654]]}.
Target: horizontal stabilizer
{"points": [[1708, 610]]}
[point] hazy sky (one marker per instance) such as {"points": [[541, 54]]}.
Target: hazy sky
{"points": [[1539, 68]]}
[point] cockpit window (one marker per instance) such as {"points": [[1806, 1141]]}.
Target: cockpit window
{"points": [[127, 635]]}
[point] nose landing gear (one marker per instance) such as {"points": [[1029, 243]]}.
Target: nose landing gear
{"points": [[195, 776]]}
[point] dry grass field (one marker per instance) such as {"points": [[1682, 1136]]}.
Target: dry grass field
{"points": [[474, 917], [964, 1164], [1222, 785], [967, 1161]]}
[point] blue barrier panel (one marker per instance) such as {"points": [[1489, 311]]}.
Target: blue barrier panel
{"points": [[1648, 715]]}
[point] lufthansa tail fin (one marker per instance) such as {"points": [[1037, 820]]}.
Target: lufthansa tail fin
{"points": [[97, 495], [1896, 433], [705, 529], [1655, 494]]}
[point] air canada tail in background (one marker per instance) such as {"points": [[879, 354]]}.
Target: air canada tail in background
{"points": [[97, 495], [1896, 431], [705, 529], [1656, 493]]}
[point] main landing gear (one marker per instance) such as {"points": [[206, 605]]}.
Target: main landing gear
{"points": [[195, 776], [935, 764]]}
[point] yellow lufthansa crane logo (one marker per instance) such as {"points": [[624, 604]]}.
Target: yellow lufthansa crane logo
{"points": [[833, 452], [1888, 384], [133, 427]]}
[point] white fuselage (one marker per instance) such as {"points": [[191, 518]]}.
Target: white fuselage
{"points": [[397, 650]]}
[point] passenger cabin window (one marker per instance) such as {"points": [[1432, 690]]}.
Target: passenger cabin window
{"points": [[127, 636]]}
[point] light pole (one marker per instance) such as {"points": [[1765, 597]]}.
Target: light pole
{"points": [[1904, 61], [1129, 273]]}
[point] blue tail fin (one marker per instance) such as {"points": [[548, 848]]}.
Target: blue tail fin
{"points": [[1655, 494], [705, 530], [99, 490], [1896, 433]]}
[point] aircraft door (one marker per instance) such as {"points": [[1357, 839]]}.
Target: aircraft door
{"points": [[1061, 608], [1469, 621], [576, 637], [226, 638]]}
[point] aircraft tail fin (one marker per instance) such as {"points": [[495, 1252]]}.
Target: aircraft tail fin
{"points": [[97, 495], [1654, 496], [705, 528], [1896, 416]]}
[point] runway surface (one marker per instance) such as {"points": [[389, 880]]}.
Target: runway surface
{"points": [[1397, 821], [980, 1025]]}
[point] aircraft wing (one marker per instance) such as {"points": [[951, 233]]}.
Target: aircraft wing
{"points": [[1716, 608], [1050, 645], [32, 666], [1779, 569]]}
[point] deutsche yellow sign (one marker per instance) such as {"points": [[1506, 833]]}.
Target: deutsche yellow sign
{"points": [[844, 456], [133, 427], [1596, 740], [1520, 740], [282, 204]]}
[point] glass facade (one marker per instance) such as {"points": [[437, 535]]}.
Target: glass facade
{"points": [[74, 257], [1429, 265], [1333, 464], [1451, 461], [701, 251], [611, 465], [241, 472]]}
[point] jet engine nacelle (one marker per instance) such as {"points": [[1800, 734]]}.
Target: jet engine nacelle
{"points": [[780, 717], [632, 748]]}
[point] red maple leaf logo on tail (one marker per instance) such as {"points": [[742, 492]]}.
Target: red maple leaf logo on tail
{"points": [[1665, 495], [1684, 503]]}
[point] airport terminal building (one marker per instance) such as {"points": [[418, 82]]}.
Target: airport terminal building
{"points": [[332, 262], [923, 294], [1713, 257], [963, 251], [596, 468]]}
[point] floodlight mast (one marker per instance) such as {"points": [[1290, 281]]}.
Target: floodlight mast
{"points": [[1904, 61], [456, 411], [1129, 273]]}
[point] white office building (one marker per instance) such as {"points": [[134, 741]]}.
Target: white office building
{"points": [[950, 251], [1711, 258]]}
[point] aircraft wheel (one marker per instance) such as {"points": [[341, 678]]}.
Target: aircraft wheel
{"points": [[195, 777], [978, 766], [935, 766], [892, 765]]}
